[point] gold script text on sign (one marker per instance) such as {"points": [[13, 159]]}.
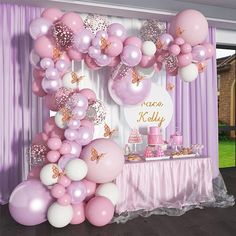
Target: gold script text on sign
{"points": [[153, 117]]}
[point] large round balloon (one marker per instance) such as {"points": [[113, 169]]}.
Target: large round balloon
{"points": [[130, 89], [191, 25], [104, 158], [29, 203]]}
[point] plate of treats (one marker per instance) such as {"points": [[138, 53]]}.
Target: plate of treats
{"points": [[134, 158], [183, 153]]}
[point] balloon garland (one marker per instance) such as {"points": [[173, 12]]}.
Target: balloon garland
{"points": [[72, 174]]}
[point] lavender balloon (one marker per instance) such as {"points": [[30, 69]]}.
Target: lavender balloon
{"points": [[39, 27], [124, 92], [199, 53], [103, 60], [94, 52], [29, 203], [71, 134], [165, 40], [50, 86], [80, 100], [62, 65], [75, 148], [79, 113], [85, 136], [74, 124], [46, 63], [117, 30], [82, 40], [65, 159], [52, 73], [96, 42], [77, 191], [131, 55]]}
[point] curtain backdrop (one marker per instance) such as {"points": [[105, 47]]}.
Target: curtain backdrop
{"points": [[21, 111]]}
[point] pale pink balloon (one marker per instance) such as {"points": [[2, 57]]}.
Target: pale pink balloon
{"points": [[186, 48], [179, 41], [192, 26], [50, 102], [109, 165], [99, 211], [65, 148], [174, 49], [75, 148], [64, 200], [74, 21], [34, 173], [43, 46], [37, 87], [147, 61], [51, 129], [132, 40], [53, 156], [65, 181], [115, 46], [40, 138], [89, 94], [91, 188], [87, 123], [118, 30], [184, 59], [58, 190], [75, 54], [210, 50], [52, 14], [114, 61], [78, 213], [91, 64], [54, 143]]}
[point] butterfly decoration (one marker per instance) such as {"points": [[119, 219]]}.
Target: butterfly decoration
{"points": [[201, 67], [179, 31], [159, 44], [66, 114], [108, 132], [76, 78], [56, 172], [169, 86], [104, 43], [136, 78], [56, 53], [95, 156]]}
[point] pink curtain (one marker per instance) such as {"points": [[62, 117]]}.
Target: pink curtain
{"points": [[21, 112]]}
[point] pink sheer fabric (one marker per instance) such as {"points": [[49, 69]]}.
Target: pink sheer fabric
{"points": [[166, 183]]}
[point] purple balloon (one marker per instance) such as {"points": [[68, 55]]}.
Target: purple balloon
{"points": [[166, 39], [52, 73], [117, 30], [94, 52], [199, 53], [79, 113], [73, 124], [131, 55], [77, 191], [124, 92], [85, 136], [75, 148], [83, 40], [51, 85], [46, 63], [71, 134], [65, 159], [62, 65], [34, 59], [80, 100], [29, 203], [103, 60], [39, 27], [96, 42]]}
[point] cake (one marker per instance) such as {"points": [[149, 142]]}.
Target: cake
{"points": [[135, 137], [154, 136], [176, 139]]}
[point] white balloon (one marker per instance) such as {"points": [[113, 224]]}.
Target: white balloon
{"points": [[47, 175], [189, 73], [76, 169], [59, 216], [59, 120], [149, 48], [146, 72], [108, 190], [68, 82]]}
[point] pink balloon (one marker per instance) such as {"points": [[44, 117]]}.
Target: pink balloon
{"points": [[131, 55], [114, 61], [210, 50], [174, 49], [115, 46], [103, 60], [90, 187], [74, 21], [99, 211], [58, 190], [37, 87], [51, 129], [54, 143], [73, 124], [89, 94], [38, 73], [75, 148], [50, 102], [65, 57], [34, 173], [78, 214], [75, 54], [186, 48], [91, 64], [132, 40], [147, 61], [71, 134], [52, 14], [43, 46], [179, 41], [117, 30], [65, 148], [165, 40], [184, 59], [65, 181], [109, 165], [40, 138], [83, 40], [192, 26], [85, 136], [64, 200], [53, 156], [158, 66], [87, 123]]}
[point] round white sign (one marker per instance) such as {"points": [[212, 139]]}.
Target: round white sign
{"points": [[156, 110]]}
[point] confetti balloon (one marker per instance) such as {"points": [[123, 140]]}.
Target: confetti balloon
{"points": [[95, 22]]}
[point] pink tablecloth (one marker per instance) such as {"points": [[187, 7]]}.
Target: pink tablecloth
{"points": [[170, 183]]}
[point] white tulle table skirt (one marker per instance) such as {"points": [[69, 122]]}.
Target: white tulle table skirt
{"points": [[174, 183]]}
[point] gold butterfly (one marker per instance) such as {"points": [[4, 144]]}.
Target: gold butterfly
{"points": [[56, 54], [136, 78], [108, 132], [104, 43], [66, 114], [75, 78], [95, 156], [179, 31], [201, 67], [169, 86], [159, 44], [56, 172]]}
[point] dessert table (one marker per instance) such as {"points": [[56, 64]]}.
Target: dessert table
{"points": [[172, 183]]}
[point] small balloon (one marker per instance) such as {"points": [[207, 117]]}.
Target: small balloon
{"points": [[117, 30], [131, 55], [83, 40], [46, 63], [52, 73], [51, 85], [77, 191], [52, 14]]}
